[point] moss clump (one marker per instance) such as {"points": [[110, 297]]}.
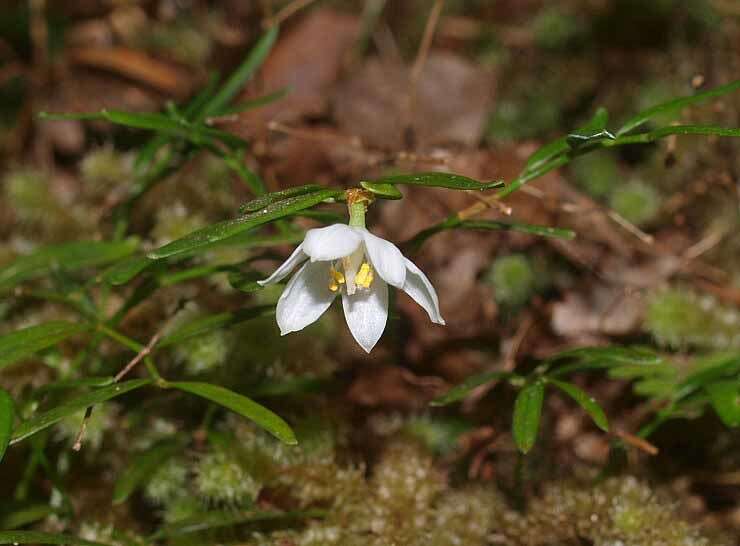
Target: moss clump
{"points": [[596, 173], [556, 29], [680, 318], [636, 201], [175, 221], [513, 279], [220, 478], [168, 483], [104, 169], [619, 510]]}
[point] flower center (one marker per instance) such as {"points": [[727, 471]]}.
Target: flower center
{"points": [[346, 272]]}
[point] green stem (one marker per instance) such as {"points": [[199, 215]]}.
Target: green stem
{"points": [[357, 214]]}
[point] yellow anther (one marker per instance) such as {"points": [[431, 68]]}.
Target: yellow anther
{"points": [[365, 276], [336, 278]]}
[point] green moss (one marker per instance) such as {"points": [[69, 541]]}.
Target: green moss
{"points": [[596, 173], [104, 168], [513, 280], [636, 201], [168, 483], [220, 478], [681, 318], [554, 28]]}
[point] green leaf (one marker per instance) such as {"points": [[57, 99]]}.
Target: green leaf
{"points": [[532, 229], [224, 230], [382, 190], [597, 358], [219, 519], [257, 55], [471, 383], [527, 415], [725, 399], [20, 517], [436, 180], [546, 153], [585, 401], [650, 136], [37, 537], [144, 466], [53, 416], [676, 105], [197, 133], [242, 405], [487, 225], [7, 417], [255, 103], [67, 256], [125, 270], [23, 343], [210, 323], [613, 355], [592, 132], [268, 199], [74, 384], [246, 281]]}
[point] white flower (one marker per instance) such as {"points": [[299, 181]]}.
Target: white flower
{"points": [[345, 259]]}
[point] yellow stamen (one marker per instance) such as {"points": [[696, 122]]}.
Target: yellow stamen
{"points": [[336, 278], [364, 276]]}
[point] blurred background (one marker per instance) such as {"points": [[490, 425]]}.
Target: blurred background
{"points": [[370, 88]]}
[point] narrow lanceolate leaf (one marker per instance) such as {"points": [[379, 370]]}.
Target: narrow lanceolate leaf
{"points": [[532, 229], [210, 323], [382, 189], [471, 383], [527, 414], [25, 515], [68, 256], [676, 105], [260, 415], [125, 270], [584, 400], [7, 416], [143, 467], [261, 202], [230, 228], [488, 225], [23, 343], [593, 131], [437, 180], [725, 399], [37, 537], [49, 418], [217, 105], [594, 128], [656, 134], [219, 519], [197, 133]]}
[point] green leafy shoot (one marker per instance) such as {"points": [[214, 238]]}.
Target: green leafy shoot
{"points": [[527, 415], [7, 418], [470, 384], [24, 343]]}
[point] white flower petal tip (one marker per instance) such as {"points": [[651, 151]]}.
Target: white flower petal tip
{"points": [[418, 287], [366, 313], [386, 258], [286, 267], [331, 243], [305, 298]]}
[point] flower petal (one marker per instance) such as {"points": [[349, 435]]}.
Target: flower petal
{"points": [[417, 286], [385, 258], [305, 298], [331, 243], [367, 312], [287, 266]]}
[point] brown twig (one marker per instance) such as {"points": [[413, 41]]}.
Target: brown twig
{"points": [[146, 351]]}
